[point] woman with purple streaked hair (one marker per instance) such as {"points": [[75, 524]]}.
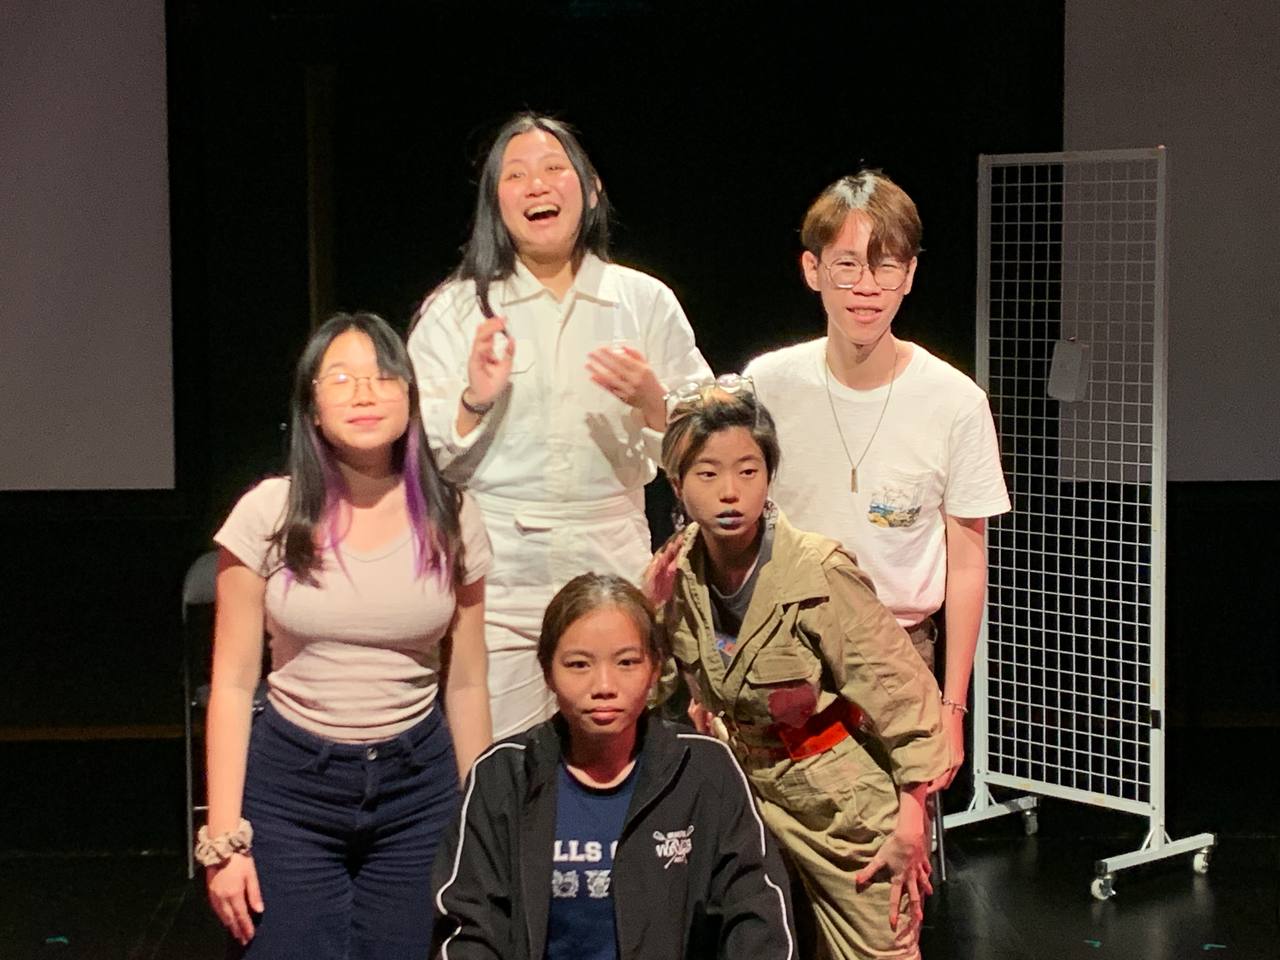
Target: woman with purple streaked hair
{"points": [[366, 568]]}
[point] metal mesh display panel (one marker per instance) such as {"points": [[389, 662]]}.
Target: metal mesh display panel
{"points": [[1069, 678], [1073, 258]]}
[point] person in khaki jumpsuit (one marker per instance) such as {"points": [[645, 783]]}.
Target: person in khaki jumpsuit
{"points": [[829, 709]]}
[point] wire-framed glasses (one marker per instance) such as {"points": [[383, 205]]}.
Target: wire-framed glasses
{"points": [[342, 387], [846, 272]]}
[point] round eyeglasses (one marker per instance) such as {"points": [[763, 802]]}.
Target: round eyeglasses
{"points": [[846, 272], [342, 387]]}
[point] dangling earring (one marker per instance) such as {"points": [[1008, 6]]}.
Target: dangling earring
{"points": [[679, 519]]}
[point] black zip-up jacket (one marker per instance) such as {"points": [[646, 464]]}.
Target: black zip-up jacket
{"points": [[695, 874]]}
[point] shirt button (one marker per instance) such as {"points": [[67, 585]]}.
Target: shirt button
{"points": [[372, 753]]}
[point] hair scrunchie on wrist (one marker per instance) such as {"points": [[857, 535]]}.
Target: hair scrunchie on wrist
{"points": [[218, 850]]}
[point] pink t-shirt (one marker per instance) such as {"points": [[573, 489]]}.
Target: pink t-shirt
{"points": [[356, 658]]}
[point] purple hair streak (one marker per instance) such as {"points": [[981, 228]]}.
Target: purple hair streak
{"points": [[429, 553]]}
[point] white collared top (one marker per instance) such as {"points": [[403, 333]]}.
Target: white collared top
{"points": [[555, 437]]}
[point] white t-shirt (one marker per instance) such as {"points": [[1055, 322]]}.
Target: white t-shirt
{"points": [[356, 658], [935, 453], [559, 438]]}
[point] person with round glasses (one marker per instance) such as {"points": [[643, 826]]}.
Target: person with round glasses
{"points": [[366, 569], [887, 448], [342, 387]]}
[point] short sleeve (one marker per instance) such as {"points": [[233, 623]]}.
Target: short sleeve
{"points": [[778, 374], [478, 554], [975, 479], [252, 521]]}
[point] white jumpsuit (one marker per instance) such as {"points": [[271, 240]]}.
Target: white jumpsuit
{"points": [[558, 467]]}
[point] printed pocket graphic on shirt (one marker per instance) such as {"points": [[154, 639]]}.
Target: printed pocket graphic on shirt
{"points": [[896, 501]]}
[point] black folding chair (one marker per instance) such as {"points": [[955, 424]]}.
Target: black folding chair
{"points": [[197, 596]]}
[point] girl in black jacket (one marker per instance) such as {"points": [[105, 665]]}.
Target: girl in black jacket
{"points": [[605, 832]]}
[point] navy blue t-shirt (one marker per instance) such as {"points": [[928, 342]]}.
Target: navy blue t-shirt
{"points": [[589, 822]]}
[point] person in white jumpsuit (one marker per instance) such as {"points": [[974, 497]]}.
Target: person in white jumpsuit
{"points": [[542, 370]]}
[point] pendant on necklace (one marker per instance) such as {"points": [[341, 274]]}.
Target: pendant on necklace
{"points": [[853, 479]]}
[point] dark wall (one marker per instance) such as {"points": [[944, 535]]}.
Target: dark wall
{"points": [[712, 133], [1223, 654], [90, 582]]}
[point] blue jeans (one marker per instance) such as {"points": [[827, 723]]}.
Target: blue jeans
{"points": [[343, 839]]}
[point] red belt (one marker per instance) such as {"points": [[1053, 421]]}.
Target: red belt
{"points": [[822, 731]]}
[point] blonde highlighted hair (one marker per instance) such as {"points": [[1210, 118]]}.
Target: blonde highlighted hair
{"points": [[692, 424], [896, 230]]}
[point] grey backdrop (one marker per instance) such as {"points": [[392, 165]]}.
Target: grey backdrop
{"points": [[1203, 79], [86, 381]]}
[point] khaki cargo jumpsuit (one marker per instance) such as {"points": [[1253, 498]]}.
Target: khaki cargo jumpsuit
{"points": [[815, 634]]}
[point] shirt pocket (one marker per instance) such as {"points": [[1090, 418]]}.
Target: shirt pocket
{"points": [[778, 666], [829, 792], [526, 410], [782, 687], [898, 499]]}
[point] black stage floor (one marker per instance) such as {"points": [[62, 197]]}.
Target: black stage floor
{"points": [[1008, 897]]}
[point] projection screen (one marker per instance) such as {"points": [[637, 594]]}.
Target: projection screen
{"points": [[86, 379]]}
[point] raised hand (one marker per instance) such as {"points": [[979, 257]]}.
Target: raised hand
{"points": [[659, 577], [489, 365], [624, 372]]}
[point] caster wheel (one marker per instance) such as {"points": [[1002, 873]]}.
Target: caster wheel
{"points": [[1103, 888], [1030, 823], [1200, 862]]}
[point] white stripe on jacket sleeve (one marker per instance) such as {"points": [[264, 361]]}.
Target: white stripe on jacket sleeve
{"points": [[751, 805], [462, 831]]}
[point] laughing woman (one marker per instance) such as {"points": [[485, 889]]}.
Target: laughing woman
{"points": [[542, 367], [325, 810], [606, 833]]}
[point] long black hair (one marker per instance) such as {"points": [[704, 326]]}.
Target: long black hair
{"points": [[489, 254], [316, 484]]}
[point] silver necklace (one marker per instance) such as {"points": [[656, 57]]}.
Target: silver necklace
{"points": [[853, 467]]}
